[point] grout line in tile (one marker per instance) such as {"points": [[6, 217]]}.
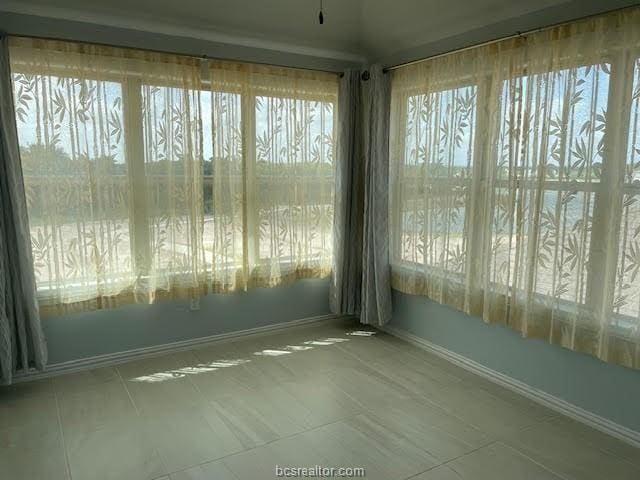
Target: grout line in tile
{"points": [[540, 464], [445, 464], [61, 429], [259, 446], [140, 420]]}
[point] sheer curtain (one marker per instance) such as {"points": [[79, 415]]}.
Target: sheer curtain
{"points": [[515, 179], [151, 175]]}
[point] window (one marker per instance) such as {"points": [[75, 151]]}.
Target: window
{"points": [[515, 185], [626, 300], [435, 176], [550, 144], [76, 182], [294, 149], [152, 175]]}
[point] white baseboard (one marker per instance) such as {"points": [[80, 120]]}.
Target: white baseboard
{"points": [[146, 352], [554, 403]]}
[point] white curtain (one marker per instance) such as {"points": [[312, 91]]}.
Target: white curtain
{"points": [[152, 175], [515, 184]]}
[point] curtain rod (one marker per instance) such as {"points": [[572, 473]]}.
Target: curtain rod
{"points": [[507, 37], [168, 52]]}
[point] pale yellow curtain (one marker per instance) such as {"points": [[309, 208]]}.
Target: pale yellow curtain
{"points": [[151, 175], [515, 180]]}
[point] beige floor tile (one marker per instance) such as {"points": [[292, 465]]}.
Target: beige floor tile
{"points": [[569, 455], [86, 378], [268, 371], [400, 456], [288, 404], [256, 463], [292, 452], [413, 374], [31, 452], [316, 358], [163, 396], [209, 471], [486, 412], [367, 349], [229, 381], [368, 387], [120, 451], [442, 435], [442, 473], [20, 390], [439, 362], [95, 407], [189, 438], [338, 455], [327, 402], [262, 462], [499, 461], [255, 420], [598, 439], [37, 408], [536, 410]]}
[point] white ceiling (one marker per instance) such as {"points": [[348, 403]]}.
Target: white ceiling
{"points": [[354, 30]]}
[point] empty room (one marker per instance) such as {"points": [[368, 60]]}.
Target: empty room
{"points": [[263, 239]]}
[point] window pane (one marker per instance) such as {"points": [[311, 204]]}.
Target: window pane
{"points": [[173, 145], [551, 131], [223, 180], [295, 180], [627, 292], [72, 149], [435, 178]]}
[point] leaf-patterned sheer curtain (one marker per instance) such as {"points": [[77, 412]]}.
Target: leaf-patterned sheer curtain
{"points": [[151, 175], [515, 184]]}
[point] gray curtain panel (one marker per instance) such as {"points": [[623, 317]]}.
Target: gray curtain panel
{"points": [[376, 287], [346, 283], [22, 343]]}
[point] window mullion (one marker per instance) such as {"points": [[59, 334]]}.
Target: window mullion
{"points": [[479, 193], [396, 165], [134, 148], [607, 210], [250, 217]]}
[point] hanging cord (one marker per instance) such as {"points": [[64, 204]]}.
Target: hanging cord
{"points": [[320, 16]]}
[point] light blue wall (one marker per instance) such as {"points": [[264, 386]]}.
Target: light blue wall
{"points": [[605, 389], [135, 326]]}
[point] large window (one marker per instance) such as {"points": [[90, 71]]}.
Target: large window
{"points": [[294, 146], [437, 165], [156, 175], [515, 184]]}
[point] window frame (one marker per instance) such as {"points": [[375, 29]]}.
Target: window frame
{"points": [[604, 229], [131, 84]]}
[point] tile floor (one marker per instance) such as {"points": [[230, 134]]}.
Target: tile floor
{"points": [[326, 394]]}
